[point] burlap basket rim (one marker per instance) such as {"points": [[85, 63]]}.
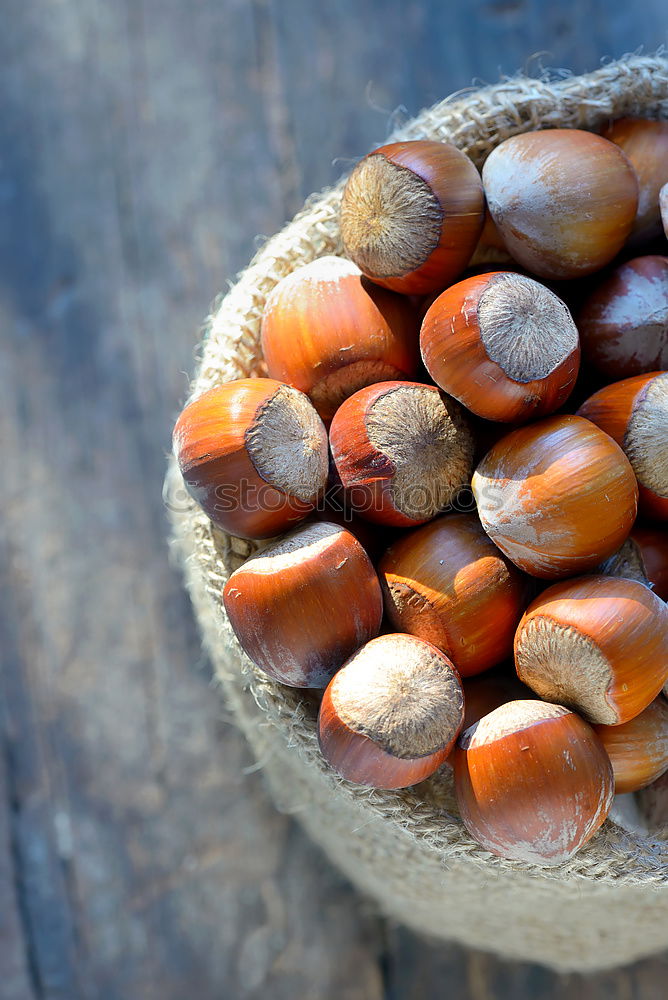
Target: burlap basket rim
{"points": [[475, 122]]}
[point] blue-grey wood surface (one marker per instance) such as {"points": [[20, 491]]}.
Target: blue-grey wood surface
{"points": [[145, 146]]}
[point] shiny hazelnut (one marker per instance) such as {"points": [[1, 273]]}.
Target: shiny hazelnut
{"points": [[503, 345], [557, 496], [390, 716], [645, 143], [411, 215], [634, 413], [597, 644], [446, 582], [329, 331], [564, 200], [253, 454], [302, 605], [533, 782], [623, 322], [638, 749], [402, 450]]}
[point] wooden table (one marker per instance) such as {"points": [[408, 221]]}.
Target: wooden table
{"points": [[144, 144]]}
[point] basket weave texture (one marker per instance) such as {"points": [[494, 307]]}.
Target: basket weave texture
{"points": [[408, 849]]}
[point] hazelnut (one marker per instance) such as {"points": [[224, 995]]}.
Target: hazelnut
{"points": [[446, 582], [411, 215], [634, 412], [533, 782], [638, 749], [563, 200], [597, 644], [646, 145], [623, 323], [303, 604], [402, 450], [329, 331], [390, 716], [503, 345], [253, 454], [557, 497]]}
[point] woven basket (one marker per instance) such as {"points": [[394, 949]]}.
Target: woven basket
{"points": [[408, 849]]}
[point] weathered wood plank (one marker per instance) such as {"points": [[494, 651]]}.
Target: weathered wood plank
{"points": [[16, 946], [148, 865], [418, 970]]}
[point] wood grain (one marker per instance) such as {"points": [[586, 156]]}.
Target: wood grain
{"points": [[145, 144]]}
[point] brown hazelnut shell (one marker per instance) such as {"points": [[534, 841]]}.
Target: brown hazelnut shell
{"points": [[446, 582], [402, 451], [391, 715], [623, 322], [503, 345], [557, 496], [253, 454], [329, 331], [533, 782], [302, 605], [645, 143], [425, 198], [597, 644], [564, 200], [634, 413], [638, 749]]}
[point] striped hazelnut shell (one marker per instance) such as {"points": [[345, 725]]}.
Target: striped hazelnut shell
{"points": [[329, 331], [446, 582], [391, 715], [557, 496], [301, 606], [411, 215], [634, 413], [403, 450], [533, 782], [597, 644], [638, 749], [503, 345], [564, 200], [253, 454], [623, 321]]}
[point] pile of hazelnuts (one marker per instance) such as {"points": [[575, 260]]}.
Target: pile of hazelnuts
{"points": [[498, 434]]}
